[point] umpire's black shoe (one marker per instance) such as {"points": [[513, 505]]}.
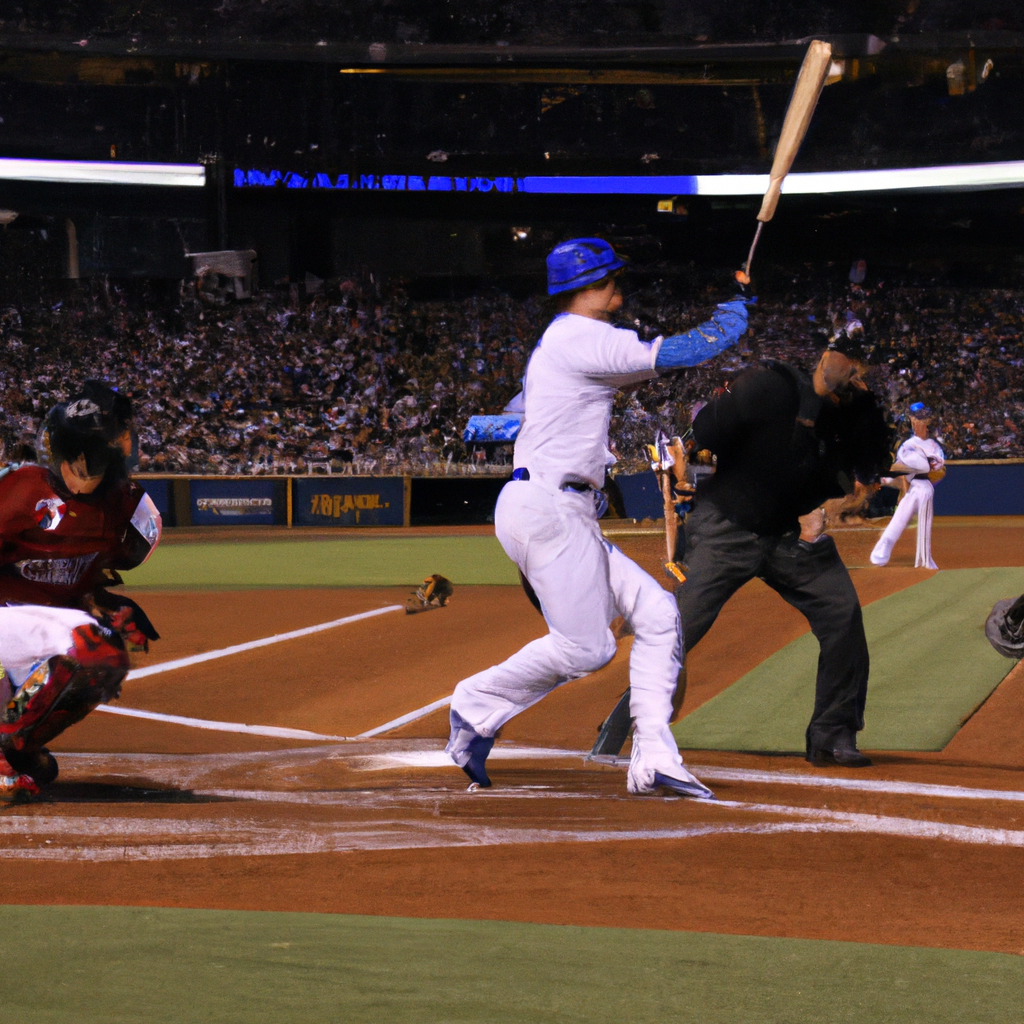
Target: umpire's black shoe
{"points": [[845, 755]]}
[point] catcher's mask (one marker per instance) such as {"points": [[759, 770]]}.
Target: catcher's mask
{"points": [[91, 430]]}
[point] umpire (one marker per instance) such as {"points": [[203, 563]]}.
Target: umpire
{"points": [[785, 443]]}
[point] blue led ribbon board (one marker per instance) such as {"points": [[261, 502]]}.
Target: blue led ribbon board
{"points": [[956, 178]]}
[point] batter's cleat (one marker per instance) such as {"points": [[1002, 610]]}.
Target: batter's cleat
{"points": [[469, 750], [475, 768], [39, 765], [642, 781], [689, 786], [643, 778]]}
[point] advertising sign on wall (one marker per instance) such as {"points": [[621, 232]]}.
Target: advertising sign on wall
{"points": [[641, 495], [236, 502], [160, 492], [349, 501], [991, 489]]}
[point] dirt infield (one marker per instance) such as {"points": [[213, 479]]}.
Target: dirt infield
{"points": [[918, 849]]}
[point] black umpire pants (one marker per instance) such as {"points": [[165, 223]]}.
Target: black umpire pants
{"points": [[722, 556]]}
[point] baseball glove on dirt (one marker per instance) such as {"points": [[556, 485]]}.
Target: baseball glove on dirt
{"points": [[434, 593]]}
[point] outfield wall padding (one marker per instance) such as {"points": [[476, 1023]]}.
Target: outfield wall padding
{"points": [[981, 489], [969, 489]]}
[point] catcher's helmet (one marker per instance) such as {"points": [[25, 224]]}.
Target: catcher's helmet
{"points": [[579, 262], [94, 423]]}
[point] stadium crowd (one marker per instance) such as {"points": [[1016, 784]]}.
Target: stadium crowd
{"points": [[362, 377]]}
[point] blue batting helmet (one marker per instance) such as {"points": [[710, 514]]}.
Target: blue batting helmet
{"points": [[579, 262]]}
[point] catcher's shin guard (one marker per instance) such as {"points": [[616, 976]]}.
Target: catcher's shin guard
{"points": [[62, 690]]}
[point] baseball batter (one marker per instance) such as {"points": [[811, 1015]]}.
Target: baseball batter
{"points": [[65, 528], [924, 458], [547, 521]]}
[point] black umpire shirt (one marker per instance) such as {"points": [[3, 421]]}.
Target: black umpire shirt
{"points": [[783, 450]]}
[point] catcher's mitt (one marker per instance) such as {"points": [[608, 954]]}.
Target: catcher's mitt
{"points": [[123, 616], [433, 593]]}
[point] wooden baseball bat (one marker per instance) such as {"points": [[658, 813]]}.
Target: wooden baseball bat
{"points": [[668, 460], [809, 83], [677, 475], [671, 521]]}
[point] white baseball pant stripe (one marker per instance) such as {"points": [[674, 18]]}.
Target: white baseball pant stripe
{"points": [[919, 500], [582, 583]]}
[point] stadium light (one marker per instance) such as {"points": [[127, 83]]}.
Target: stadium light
{"points": [[102, 172]]}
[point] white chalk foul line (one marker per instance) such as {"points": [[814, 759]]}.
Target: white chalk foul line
{"points": [[412, 716], [206, 723], [434, 759], [878, 824], [164, 839], [197, 659], [716, 774]]}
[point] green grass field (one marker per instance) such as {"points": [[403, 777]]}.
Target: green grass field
{"points": [[357, 562], [117, 965], [931, 666]]}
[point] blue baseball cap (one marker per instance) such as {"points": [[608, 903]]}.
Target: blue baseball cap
{"points": [[920, 411], [579, 262]]}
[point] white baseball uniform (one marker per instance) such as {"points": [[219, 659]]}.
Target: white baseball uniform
{"points": [[548, 526], [922, 455]]}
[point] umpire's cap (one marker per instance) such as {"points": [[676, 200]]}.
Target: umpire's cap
{"points": [[579, 262]]}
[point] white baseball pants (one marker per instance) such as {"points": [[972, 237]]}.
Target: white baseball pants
{"points": [[30, 634], [918, 500], [582, 583]]}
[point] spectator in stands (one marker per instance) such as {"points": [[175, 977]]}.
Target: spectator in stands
{"points": [[365, 377]]}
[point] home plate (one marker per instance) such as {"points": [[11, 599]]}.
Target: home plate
{"points": [[439, 759]]}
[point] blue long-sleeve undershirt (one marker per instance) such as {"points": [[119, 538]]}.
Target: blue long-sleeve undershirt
{"points": [[702, 343]]}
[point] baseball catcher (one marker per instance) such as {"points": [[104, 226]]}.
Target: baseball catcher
{"points": [[67, 525]]}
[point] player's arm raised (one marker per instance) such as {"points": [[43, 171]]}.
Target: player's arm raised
{"points": [[726, 326]]}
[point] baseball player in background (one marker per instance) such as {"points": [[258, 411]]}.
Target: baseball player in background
{"points": [[547, 516], [66, 527], [924, 460]]}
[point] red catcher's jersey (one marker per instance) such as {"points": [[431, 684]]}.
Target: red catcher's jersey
{"points": [[53, 548]]}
